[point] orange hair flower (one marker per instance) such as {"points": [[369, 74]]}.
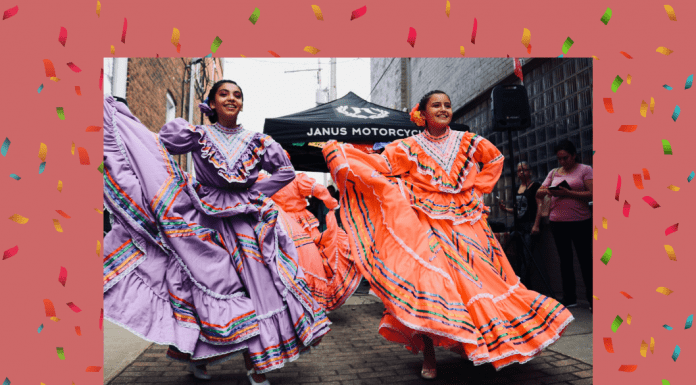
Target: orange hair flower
{"points": [[416, 117]]}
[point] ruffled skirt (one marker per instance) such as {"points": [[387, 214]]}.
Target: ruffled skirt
{"points": [[206, 271]]}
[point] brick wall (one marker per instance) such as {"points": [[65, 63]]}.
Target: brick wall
{"points": [[385, 80]]}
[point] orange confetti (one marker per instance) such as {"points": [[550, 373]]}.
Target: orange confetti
{"points": [[84, 157], [99, 211], [670, 13], [670, 252], [311, 50], [72, 148], [625, 54], [55, 319], [19, 219], [595, 233], [652, 345], [49, 308], [643, 109], [93, 369], [673, 187], [646, 174], [526, 37], [113, 50], [628, 319], [628, 79], [461, 50], [652, 105], [77, 91], [626, 294], [175, 37], [98, 248], [628, 128], [664, 50], [98, 8], [63, 214], [608, 105], [608, 345], [50, 70], [78, 331], [57, 225], [93, 129], [664, 290], [638, 181], [273, 53], [55, 79], [43, 150], [317, 12], [628, 368], [643, 348]]}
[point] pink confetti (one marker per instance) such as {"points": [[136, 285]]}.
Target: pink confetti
{"points": [[74, 67], [10, 12], [626, 209], [651, 202], [63, 276], [672, 229], [358, 12], [473, 34], [125, 28], [63, 36], [101, 79], [74, 307], [101, 319], [411, 37], [618, 189], [10, 252]]}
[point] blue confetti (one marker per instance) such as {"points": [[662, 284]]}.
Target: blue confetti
{"points": [[675, 355], [209, 55], [691, 176], [40, 88], [689, 81], [40, 328], [689, 321], [5, 146], [15, 176], [676, 112], [561, 55], [42, 167], [7, 381], [667, 327], [667, 87]]}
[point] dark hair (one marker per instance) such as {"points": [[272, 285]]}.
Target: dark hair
{"points": [[567, 146], [213, 92], [426, 98]]}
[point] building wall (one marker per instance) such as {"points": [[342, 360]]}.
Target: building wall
{"points": [[385, 80]]}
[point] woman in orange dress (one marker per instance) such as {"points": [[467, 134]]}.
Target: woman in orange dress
{"points": [[330, 273], [418, 232]]}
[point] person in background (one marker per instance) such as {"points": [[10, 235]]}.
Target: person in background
{"points": [[571, 218]]}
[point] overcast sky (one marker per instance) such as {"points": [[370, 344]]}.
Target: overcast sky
{"points": [[270, 92]]}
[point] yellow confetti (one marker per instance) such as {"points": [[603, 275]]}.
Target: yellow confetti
{"points": [[99, 211], [113, 50], [595, 57], [652, 345], [175, 37], [664, 50], [98, 8], [664, 290], [447, 8], [628, 79], [461, 50], [604, 223], [19, 219], [673, 187], [56, 224], [55, 319], [55, 79], [652, 105], [60, 186], [670, 252], [628, 319], [43, 150], [242, 55], [317, 12], [643, 109], [595, 297], [72, 149], [670, 13], [311, 50], [526, 37], [643, 348], [98, 248], [595, 233]]}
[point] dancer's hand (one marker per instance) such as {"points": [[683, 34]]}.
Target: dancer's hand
{"points": [[535, 229]]}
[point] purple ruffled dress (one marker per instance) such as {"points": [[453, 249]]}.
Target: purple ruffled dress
{"points": [[202, 265]]}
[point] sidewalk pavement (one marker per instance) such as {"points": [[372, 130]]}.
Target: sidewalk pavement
{"points": [[354, 353]]}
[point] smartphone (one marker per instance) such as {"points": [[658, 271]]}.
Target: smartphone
{"points": [[562, 184]]}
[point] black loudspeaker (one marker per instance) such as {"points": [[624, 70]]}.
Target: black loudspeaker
{"points": [[510, 108]]}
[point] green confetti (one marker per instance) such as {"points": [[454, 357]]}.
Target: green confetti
{"points": [[298, 144], [607, 256], [567, 44], [666, 147], [61, 353], [61, 113], [101, 168], [254, 16], [5, 146], [42, 167], [616, 83], [615, 325], [606, 17], [216, 43], [15, 176], [665, 382]]}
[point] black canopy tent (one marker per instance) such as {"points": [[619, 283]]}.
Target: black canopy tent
{"points": [[348, 119]]}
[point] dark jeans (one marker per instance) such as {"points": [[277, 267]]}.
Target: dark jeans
{"points": [[524, 264], [580, 235]]}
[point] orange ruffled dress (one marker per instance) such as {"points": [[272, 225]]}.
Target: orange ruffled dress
{"points": [[418, 232], [331, 274]]}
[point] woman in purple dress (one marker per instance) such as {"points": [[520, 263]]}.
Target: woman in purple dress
{"points": [[203, 265]]}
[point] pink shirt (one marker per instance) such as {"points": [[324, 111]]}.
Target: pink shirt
{"points": [[566, 209]]}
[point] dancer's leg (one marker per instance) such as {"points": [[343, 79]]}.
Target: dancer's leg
{"points": [[429, 364], [250, 365]]}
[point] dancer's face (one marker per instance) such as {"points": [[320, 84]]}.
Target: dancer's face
{"points": [[228, 102], [438, 111]]}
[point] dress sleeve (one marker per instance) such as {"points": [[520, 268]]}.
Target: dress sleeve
{"points": [[588, 174], [492, 160], [308, 186], [179, 137], [276, 163]]}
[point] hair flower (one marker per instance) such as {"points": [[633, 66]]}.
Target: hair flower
{"points": [[416, 117]]}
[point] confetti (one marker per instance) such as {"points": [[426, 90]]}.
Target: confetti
{"points": [[72, 148], [638, 181], [672, 229], [255, 16], [673, 187], [63, 276], [55, 79], [646, 174], [63, 36], [273, 53], [651, 202], [652, 345], [19, 219], [5, 147], [596, 232], [61, 353], [56, 224], [55, 319], [42, 167], [664, 290], [691, 176], [43, 150], [567, 44], [216, 44], [608, 105], [6, 382], [628, 319], [358, 12], [625, 54], [178, 48], [689, 82], [99, 211], [666, 147], [643, 109], [78, 331], [101, 319], [98, 248], [48, 67], [93, 129], [675, 355], [606, 257], [74, 67], [628, 79], [101, 79], [60, 186], [608, 345], [15, 176], [652, 105], [626, 208], [670, 13], [208, 55], [74, 307], [125, 28], [616, 323], [40, 328], [113, 50], [473, 34], [62, 213], [643, 348], [664, 50], [618, 189], [317, 12], [93, 369], [447, 8], [616, 83], [667, 327], [606, 17], [689, 322], [61, 113], [628, 368], [626, 295], [667, 87], [40, 88], [311, 50], [676, 112], [411, 37], [10, 252], [101, 168], [595, 297], [461, 50], [48, 307], [670, 252], [8, 14], [98, 8], [84, 157], [526, 37], [175, 37]]}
